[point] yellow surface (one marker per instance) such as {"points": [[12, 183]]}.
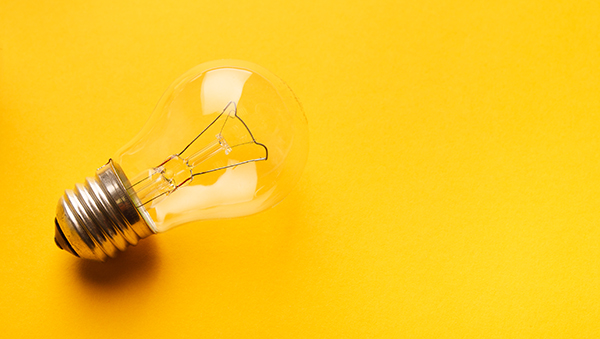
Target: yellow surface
{"points": [[452, 189]]}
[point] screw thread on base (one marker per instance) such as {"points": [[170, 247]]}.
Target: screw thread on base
{"points": [[99, 218]]}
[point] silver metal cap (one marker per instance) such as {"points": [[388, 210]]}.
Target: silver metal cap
{"points": [[99, 218]]}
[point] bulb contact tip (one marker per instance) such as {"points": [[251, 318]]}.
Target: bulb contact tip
{"points": [[61, 241]]}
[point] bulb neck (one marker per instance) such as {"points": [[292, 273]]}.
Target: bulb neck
{"points": [[98, 219]]}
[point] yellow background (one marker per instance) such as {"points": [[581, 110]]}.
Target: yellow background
{"points": [[452, 188]]}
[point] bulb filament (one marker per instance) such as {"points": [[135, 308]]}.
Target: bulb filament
{"points": [[153, 185]]}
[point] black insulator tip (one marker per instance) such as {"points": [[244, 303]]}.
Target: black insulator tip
{"points": [[61, 241]]}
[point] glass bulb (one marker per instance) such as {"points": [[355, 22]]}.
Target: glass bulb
{"points": [[227, 139]]}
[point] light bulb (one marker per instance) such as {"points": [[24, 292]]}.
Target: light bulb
{"points": [[227, 139]]}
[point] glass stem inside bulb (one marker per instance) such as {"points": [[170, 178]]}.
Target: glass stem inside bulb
{"points": [[155, 184]]}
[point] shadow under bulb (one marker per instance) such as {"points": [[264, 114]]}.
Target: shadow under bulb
{"points": [[227, 139]]}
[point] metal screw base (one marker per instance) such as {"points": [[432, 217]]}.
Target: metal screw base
{"points": [[98, 219]]}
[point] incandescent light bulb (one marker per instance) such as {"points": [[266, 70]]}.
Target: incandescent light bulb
{"points": [[227, 139]]}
